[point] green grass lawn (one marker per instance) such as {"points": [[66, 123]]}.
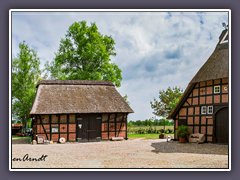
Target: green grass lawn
{"points": [[146, 136]]}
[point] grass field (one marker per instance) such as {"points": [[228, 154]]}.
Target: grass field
{"points": [[148, 129], [145, 127], [146, 136], [134, 132]]}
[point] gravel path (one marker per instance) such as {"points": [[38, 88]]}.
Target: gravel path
{"points": [[136, 153]]}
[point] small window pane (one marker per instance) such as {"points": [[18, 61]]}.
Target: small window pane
{"points": [[203, 110], [210, 109], [216, 89]]}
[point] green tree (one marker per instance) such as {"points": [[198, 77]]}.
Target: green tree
{"points": [[85, 54], [25, 74], [167, 101], [125, 97]]}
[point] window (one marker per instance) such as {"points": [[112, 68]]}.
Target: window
{"points": [[182, 122], [210, 109], [216, 89], [204, 110], [55, 130]]}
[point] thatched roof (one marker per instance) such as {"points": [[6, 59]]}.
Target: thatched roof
{"points": [[215, 67], [217, 64], [78, 96]]}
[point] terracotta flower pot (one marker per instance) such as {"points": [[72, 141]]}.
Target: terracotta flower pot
{"points": [[161, 136], [182, 139]]}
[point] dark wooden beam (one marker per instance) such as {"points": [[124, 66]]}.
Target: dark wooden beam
{"points": [[58, 126], [121, 124], [67, 127], [126, 126], [43, 127], [115, 124], [76, 131], [108, 124], [50, 124]]}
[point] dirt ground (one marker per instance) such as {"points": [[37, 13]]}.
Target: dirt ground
{"points": [[136, 153]]}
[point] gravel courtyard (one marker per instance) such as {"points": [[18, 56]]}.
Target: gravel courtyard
{"points": [[136, 153]]}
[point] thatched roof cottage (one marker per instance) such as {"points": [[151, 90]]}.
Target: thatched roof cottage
{"points": [[79, 110], [204, 104]]}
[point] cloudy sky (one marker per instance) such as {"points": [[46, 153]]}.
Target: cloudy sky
{"points": [[155, 50]]}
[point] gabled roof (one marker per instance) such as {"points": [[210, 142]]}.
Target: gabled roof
{"points": [[78, 96], [217, 64], [215, 67]]}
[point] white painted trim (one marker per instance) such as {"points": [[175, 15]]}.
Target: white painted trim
{"points": [[223, 39], [204, 108], [214, 89], [208, 109], [116, 10]]}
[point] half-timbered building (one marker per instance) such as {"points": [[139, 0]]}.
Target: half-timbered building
{"points": [[204, 104], [79, 110]]}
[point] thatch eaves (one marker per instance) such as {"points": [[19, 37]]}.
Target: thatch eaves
{"points": [[216, 67], [74, 96]]}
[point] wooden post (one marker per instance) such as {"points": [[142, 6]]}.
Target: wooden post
{"points": [[50, 124], [58, 126], [68, 127], [108, 124], [115, 123], [126, 126]]}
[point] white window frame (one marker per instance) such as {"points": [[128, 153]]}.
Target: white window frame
{"points": [[204, 110], [210, 109], [215, 88]]}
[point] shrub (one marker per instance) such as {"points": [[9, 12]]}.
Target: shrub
{"points": [[182, 131]]}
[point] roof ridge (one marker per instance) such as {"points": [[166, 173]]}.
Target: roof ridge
{"points": [[75, 82]]}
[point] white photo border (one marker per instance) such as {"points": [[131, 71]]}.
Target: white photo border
{"points": [[115, 10]]}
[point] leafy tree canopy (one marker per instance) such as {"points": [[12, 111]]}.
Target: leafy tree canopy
{"points": [[125, 97], [85, 54], [166, 101], [25, 74]]}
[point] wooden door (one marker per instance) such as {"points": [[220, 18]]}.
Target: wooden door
{"points": [[94, 128], [89, 127], [222, 126], [82, 129]]}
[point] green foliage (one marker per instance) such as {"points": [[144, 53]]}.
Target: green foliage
{"points": [[151, 122], [167, 101], [84, 54], [182, 131], [144, 136], [25, 74], [125, 97], [150, 130]]}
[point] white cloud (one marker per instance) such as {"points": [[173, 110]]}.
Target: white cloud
{"points": [[154, 50]]}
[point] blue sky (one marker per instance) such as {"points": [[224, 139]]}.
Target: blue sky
{"points": [[155, 50]]}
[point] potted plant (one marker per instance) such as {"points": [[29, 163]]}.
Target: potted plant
{"points": [[161, 135], [182, 133]]}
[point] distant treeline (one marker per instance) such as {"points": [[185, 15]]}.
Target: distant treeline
{"points": [[151, 122]]}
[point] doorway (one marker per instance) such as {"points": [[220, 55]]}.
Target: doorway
{"points": [[88, 128], [222, 126]]}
